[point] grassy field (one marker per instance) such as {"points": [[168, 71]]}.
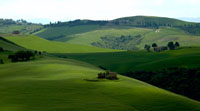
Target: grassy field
{"points": [[141, 60], [51, 84], [4, 57], [24, 29], [54, 33], [95, 36], [7, 45], [148, 36], [90, 33], [37, 43]]}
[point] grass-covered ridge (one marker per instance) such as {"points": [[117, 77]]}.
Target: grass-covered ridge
{"points": [[141, 60], [8, 45], [150, 29], [147, 36], [37, 43], [65, 29], [51, 84], [24, 27]]}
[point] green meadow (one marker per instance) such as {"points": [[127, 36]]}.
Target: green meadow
{"points": [[148, 36], [188, 57], [50, 84], [36, 43], [63, 74], [7, 45]]}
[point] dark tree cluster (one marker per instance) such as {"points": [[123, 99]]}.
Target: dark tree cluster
{"points": [[13, 22], [192, 28], [76, 23], [21, 56], [123, 42], [183, 81], [173, 46], [38, 52], [16, 32], [107, 75], [156, 48]]}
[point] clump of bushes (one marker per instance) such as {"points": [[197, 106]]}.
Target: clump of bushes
{"points": [[156, 48], [107, 75], [16, 32], [21, 56], [38, 52]]}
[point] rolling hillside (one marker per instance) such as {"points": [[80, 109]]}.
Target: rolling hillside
{"points": [[51, 84], [37, 43], [141, 60], [128, 33], [146, 36], [8, 45], [9, 25], [175, 71]]}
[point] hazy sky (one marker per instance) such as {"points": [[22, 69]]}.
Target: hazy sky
{"points": [[64, 10]]}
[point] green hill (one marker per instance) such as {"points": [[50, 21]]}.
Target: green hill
{"points": [[151, 21], [128, 33], [176, 70], [37, 43], [8, 45], [9, 25], [141, 60], [51, 84], [54, 33], [133, 38]]}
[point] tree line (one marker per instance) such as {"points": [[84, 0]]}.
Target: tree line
{"points": [[184, 81], [156, 48], [23, 55]]}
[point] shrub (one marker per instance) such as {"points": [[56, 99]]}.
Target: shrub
{"points": [[171, 45], [177, 44], [16, 32], [21, 56], [147, 47]]}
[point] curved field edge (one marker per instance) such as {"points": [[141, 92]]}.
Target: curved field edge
{"points": [[50, 84], [37, 43]]}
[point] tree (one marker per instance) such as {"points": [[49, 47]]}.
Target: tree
{"points": [[36, 52], [154, 45], [16, 32], [171, 45], [40, 53], [177, 44], [147, 47], [21, 56], [1, 49]]}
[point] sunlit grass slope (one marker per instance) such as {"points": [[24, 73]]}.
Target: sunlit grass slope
{"points": [[53, 33], [51, 84], [95, 36], [142, 60], [7, 45], [148, 36], [37, 43]]}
